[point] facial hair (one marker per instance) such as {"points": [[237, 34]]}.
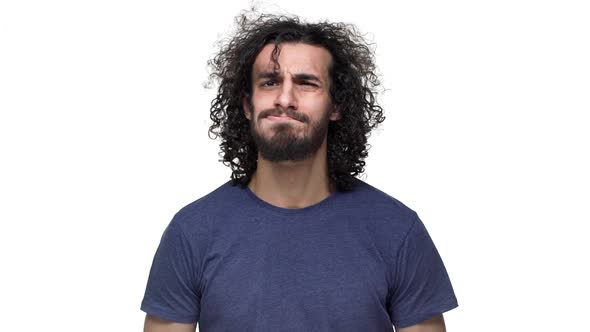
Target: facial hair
{"points": [[285, 143]]}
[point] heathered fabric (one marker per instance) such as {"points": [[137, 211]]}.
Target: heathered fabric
{"points": [[356, 261]]}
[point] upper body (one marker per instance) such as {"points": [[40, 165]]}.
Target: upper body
{"points": [[301, 244], [357, 260]]}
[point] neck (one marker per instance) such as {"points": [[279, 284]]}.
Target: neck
{"points": [[293, 184]]}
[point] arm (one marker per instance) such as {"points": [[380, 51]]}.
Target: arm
{"points": [[435, 324], [155, 324]]}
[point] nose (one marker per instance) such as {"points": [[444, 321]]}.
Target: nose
{"points": [[286, 98]]}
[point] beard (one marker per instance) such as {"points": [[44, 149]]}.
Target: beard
{"points": [[285, 143]]}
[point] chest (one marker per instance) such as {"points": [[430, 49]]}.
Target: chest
{"points": [[263, 274]]}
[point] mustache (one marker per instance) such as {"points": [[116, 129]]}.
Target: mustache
{"points": [[277, 112]]}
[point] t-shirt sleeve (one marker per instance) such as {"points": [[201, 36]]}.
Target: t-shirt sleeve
{"points": [[421, 286], [171, 292]]}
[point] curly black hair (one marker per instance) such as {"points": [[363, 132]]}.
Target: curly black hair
{"points": [[353, 90]]}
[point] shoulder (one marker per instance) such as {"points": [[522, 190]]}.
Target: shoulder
{"points": [[385, 219], [195, 216], [379, 205]]}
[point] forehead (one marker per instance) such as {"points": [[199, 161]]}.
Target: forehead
{"points": [[295, 58]]}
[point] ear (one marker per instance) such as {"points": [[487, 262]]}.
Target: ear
{"points": [[247, 111], [335, 115]]}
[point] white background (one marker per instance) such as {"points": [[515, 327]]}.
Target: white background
{"points": [[103, 137]]}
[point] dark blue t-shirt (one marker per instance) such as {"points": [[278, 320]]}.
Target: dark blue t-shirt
{"points": [[356, 261]]}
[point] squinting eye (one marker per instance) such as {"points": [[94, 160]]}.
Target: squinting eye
{"points": [[267, 83], [307, 83]]}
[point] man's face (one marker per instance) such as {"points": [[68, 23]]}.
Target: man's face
{"points": [[290, 108]]}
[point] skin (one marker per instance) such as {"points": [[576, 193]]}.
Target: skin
{"points": [[435, 324], [155, 324], [294, 174], [292, 183]]}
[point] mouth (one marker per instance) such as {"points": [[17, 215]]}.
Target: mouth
{"points": [[280, 118]]}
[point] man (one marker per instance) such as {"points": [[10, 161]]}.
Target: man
{"points": [[294, 241]]}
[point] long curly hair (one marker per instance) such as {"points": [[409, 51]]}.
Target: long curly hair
{"points": [[353, 90]]}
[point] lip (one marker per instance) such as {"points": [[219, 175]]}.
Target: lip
{"points": [[280, 118]]}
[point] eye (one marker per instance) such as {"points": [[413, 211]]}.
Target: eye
{"points": [[308, 83], [269, 83]]}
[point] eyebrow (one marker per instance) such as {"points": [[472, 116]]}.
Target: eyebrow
{"points": [[299, 77]]}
